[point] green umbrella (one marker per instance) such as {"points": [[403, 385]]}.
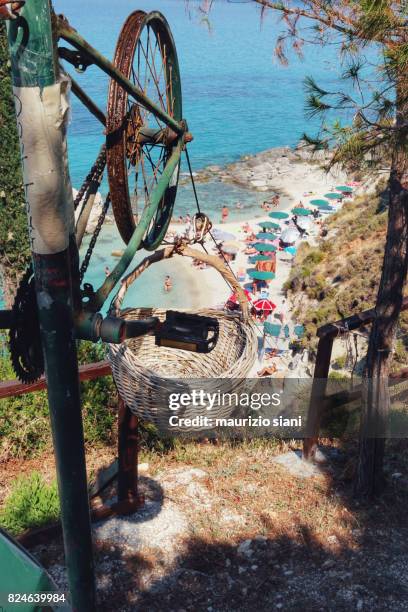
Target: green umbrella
{"points": [[259, 275], [256, 258], [302, 212], [333, 196], [325, 207], [266, 236], [261, 246], [318, 202], [344, 188], [278, 214], [269, 225]]}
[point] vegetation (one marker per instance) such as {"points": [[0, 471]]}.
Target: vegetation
{"points": [[341, 274], [14, 245], [31, 503], [24, 421], [365, 122]]}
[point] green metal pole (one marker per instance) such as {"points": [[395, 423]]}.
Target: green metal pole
{"points": [[41, 110]]}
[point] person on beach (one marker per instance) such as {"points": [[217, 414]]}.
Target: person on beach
{"points": [[275, 200], [168, 285], [224, 214], [107, 271]]}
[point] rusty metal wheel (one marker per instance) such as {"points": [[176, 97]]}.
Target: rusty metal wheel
{"points": [[138, 143]]}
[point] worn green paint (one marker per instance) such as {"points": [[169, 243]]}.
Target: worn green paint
{"points": [[21, 573], [33, 62], [81, 44], [33, 56]]}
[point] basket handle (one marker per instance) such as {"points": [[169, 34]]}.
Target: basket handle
{"points": [[185, 250]]}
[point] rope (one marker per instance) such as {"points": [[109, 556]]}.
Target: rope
{"points": [[192, 180]]}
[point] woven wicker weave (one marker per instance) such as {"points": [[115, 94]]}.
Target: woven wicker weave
{"points": [[146, 374]]}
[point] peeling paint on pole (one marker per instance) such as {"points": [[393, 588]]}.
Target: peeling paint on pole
{"points": [[41, 95]]}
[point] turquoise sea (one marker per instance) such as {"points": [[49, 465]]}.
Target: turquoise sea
{"points": [[237, 100]]}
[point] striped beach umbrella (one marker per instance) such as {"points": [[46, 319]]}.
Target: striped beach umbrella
{"points": [[333, 196], [255, 258], [262, 246], [266, 236], [318, 202], [302, 212], [261, 275], [269, 225], [264, 305], [344, 188], [279, 214]]}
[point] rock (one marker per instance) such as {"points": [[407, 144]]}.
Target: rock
{"points": [[244, 549], [332, 539]]}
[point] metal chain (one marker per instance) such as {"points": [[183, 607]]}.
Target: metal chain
{"points": [[95, 172], [88, 255]]}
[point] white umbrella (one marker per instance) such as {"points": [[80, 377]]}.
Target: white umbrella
{"points": [[290, 235], [222, 236]]}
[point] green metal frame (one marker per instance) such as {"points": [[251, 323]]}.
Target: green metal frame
{"points": [[64, 316], [84, 318]]}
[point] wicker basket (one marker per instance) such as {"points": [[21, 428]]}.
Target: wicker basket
{"points": [[146, 374]]}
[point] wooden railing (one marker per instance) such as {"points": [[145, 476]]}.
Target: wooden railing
{"points": [[318, 398]]}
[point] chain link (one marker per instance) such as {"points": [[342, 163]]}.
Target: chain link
{"points": [[94, 173], [88, 255]]}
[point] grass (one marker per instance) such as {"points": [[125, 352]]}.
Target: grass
{"points": [[24, 420], [31, 503]]}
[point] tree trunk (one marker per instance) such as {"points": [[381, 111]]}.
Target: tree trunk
{"points": [[375, 398]]}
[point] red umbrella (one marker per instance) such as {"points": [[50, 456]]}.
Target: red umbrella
{"points": [[234, 299], [264, 305]]}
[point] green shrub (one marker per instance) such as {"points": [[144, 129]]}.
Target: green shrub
{"points": [[24, 420], [31, 503]]}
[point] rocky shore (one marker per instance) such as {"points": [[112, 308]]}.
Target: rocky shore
{"points": [[263, 171]]}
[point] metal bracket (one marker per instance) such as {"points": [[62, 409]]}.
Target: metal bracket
{"points": [[79, 59]]}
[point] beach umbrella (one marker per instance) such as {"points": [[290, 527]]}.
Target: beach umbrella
{"points": [[266, 236], [290, 235], [278, 214], [269, 225], [234, 298], [319, 202], [325, 206], [262, 246], [256, 258], [232, 243], [344, 189], [291, 250], [304, 223], [231, 249], [264, 305], [302, 212], [258, 275], [333, 196], [221, 236]]}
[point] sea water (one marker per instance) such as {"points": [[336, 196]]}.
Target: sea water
{"points": [[237, 99]]}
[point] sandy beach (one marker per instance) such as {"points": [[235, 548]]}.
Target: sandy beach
{"points": [[297, 181]]}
